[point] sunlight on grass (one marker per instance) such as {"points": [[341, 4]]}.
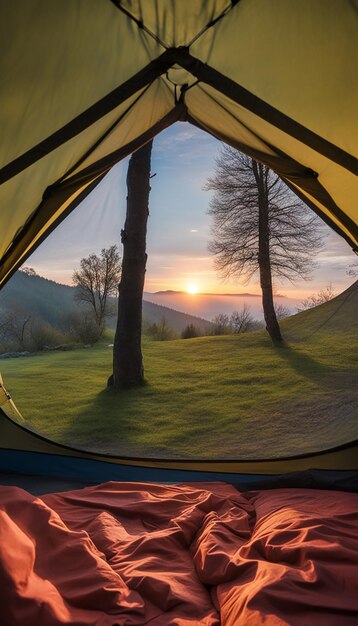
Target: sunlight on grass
{"points": [[213, 397]]}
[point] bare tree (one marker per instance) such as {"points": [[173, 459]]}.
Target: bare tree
{"points": [[221, 324], [128, 368], [97, 280], [259, 227], [324, 295], [241, 321], [14, 327], [282, 311]]}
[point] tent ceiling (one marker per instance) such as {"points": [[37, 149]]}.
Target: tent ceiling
{"points": [[86, 82]]}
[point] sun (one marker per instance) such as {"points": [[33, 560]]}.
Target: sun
{"points": [[192, 289]]}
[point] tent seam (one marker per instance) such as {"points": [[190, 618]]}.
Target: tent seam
{"points": [[88, 117], [69, 186], [239, 94]]}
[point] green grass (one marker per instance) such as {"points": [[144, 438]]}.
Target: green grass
{"points": [[230, 396]]}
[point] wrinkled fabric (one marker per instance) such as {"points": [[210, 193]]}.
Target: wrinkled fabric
{"points": [[136, 553]]}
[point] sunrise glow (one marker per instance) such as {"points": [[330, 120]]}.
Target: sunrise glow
{"points": [[192, 289]]}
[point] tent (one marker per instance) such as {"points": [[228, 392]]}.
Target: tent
{"points": [[87, 82], [84, 84]]}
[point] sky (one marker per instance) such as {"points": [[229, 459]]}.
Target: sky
{"points": [[183, 158]]}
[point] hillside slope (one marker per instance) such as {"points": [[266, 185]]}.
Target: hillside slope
{"points": [[338, 315], [51, 301], [38, 296], [233, 396]]}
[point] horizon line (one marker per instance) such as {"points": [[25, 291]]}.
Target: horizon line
{"points": [[199, 293]]}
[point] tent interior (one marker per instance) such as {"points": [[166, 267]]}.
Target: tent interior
{"points": [[85, 84]]}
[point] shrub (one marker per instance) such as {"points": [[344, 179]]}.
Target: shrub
{"points": [[161, 331], [82, 326], [42, 334], [190, 331], [326, 294]]}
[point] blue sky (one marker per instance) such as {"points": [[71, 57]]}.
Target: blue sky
{"points": [[178, 227]]}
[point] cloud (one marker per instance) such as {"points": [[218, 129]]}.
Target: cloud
{"points": [[183, 142], [178, 133]]}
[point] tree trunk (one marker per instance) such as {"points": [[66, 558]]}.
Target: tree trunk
{"points": [[127, 353], [272, 325]]}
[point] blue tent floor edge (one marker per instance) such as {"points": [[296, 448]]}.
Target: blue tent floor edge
{"points": [[35, 463], [42, 473]]}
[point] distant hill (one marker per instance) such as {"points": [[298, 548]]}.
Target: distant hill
{"points": [[51, 301], [171, 292], [208, 305], [176, 319], [42, 297]]}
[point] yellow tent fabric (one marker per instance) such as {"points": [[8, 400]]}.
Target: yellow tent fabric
{"points": [[87, 82]]}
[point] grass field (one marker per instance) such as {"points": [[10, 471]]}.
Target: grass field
{"points": [[223, 397]]}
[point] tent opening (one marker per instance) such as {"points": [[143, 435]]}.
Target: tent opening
{"points": [[216, 387]]}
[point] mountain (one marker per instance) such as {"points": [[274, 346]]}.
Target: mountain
{"points": [[176, 319], [51, 301], [171, 292], [208, 305], [37, 295], [166, 292]]}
